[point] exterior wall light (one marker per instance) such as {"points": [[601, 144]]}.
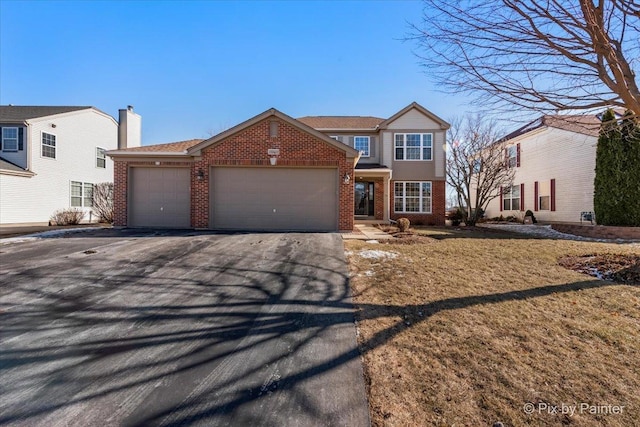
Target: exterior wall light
{"points": [[200, 175], [347, 178]]}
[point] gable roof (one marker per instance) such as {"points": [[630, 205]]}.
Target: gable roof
{"points": [[10, 166], [341, 122], [21, 113], [578, 123], [414, 105], [169, 147], [272, 112]]}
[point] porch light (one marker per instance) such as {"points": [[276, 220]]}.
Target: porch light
{"points": [[200, 175], [347, 178]]}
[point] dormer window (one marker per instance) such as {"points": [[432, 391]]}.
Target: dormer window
{"points": [[9, 139]]}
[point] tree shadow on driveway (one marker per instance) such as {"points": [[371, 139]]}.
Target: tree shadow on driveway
{"points": [[212, 330]]}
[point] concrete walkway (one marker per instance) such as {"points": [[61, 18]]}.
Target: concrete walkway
{"points": [[366, 232]]}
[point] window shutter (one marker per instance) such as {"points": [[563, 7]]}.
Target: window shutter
{"points": [[553, 194], [501, 198], [535, 196], [372, 146], [518, 155], [522, 197], [20, 139], [351, 143]]}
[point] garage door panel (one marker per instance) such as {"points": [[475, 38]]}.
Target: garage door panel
{"points": [[274, 199], [160, 197]]}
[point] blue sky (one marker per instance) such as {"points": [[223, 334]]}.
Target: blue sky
{"points": [[194, 68]]}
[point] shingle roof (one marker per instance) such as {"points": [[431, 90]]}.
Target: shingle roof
{"points": [[341, 122], [7, 165], [584, 124], [20, 113], [177, 147]]}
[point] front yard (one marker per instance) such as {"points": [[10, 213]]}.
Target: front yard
{"points": [[473, 328]]}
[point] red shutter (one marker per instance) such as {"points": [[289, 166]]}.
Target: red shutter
{"points": [[518, 155], [522, 197], [535, 196], [553, 194], [501, 204]]}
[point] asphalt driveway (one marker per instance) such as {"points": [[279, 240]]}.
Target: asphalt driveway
{"points": [[113, 327]]}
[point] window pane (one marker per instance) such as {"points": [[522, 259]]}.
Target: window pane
{"points": [[426, 189], [544, 203], [413, 140], [412, 189], [515, 191], [399, 154], [398, 204], [88, 193], [426, 153], [413, 153], [515, 204], [506, 204], [412, 204], [399, 188], [76, 188], [399, 140]]}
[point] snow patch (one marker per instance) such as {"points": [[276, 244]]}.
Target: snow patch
{"points": [[375, 254], [44, 235]]}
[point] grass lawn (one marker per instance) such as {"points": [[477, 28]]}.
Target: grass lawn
{"points": [[467, 327]]}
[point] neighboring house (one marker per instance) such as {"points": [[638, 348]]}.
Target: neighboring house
{"points": [[554, 159], [50, 158], [273, 172]]}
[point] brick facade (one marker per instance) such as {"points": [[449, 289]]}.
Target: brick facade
{"points": [[249, 148], [438, 206]]}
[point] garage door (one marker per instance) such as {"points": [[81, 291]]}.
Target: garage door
{"points": [[160, 197], [274, 199]]}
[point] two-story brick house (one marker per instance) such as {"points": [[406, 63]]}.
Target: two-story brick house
{"points": [[51, 156], [273, 172]]}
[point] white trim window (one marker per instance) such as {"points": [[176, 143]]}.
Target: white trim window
{"points": [[512, 156], [511, 198], [412, 197], [81, 194], [48, 145], [10, 139], [544, 196], [413, 146], [362, 144], [101, 158]]}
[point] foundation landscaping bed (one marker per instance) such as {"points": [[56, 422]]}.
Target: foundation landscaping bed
{"points": [[472, 326]]}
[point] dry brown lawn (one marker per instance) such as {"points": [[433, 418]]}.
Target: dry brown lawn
{"points": [[469, 327]]}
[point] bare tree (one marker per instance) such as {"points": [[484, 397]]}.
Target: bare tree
{"points": [[102, 197], [539, 55], [476, 164]]}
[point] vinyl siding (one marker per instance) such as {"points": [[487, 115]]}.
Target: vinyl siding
{"points": [[567, 157], [33, 200]]}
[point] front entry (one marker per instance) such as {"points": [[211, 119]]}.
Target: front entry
{"points": [[364, 203]]}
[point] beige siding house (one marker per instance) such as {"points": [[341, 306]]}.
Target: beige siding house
{"points": [[554, 158]]}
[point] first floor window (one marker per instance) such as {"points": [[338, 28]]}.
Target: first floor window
{"points": [[101, 160], [81, 194], [544, 195], [9, 139], [511, 198], [48, 145], [413, 146], [412, 197], [361, 143]]}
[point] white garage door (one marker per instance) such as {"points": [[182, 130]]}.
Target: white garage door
{"points": [[274, 199], [160, 197]]}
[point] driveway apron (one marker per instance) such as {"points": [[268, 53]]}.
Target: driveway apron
{"points": [[166, 328]]}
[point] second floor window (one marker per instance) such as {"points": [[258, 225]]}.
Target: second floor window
{"points": [[413, 146], [101, 160], [361, 143], [48, 145], [9, 139], [512, 154]]}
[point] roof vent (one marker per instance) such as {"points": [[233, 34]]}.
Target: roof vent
{"points": [[130, 107]]}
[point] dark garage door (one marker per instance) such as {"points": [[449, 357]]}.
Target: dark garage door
{"points": [[160, 197], [274, 199]]}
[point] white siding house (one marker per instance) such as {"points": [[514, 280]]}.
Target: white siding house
{"points": [[58, 158], [554, 159]]}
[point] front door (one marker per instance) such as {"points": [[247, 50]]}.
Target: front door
{"points": [[364, 205]]}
